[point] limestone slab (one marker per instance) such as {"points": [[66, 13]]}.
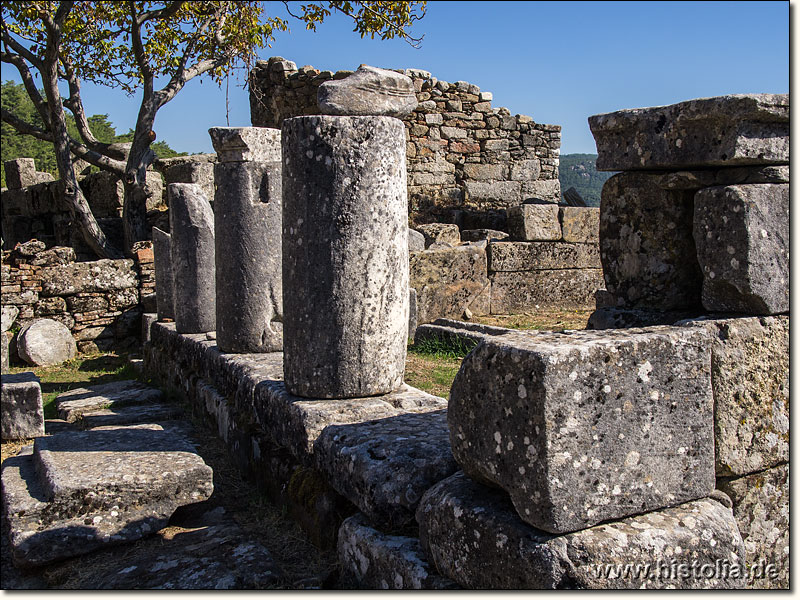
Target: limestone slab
{"points": [[97, 276], [449, 280], [522, 291], [193, 258], [73, 404], [534, 222], [21, 412], [247, 226], [646, 243], [585, 426], [73, 492], [472, 535], [162, 262], [384, 466], [580, 224], [536, 256], [345, 255], [374, 560], [45, 342], [440, 233], [750, 382], [761, 508], [734, 130], [742, 238], [129, 415], [368, 91]]}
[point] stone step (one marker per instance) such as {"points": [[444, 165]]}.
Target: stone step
{"points": [[74, 403], [129, 415], [76, 491], [474, 536]]}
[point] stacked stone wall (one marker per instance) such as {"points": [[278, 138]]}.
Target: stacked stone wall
{"points": [[100, 302], [467, 161]]}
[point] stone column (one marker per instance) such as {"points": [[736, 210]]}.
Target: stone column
{"points": [[345, 255], [162, 260], [247, 221], [191, 223]]}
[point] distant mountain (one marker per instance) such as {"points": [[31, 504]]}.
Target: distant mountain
{"points": [[577, 170]]}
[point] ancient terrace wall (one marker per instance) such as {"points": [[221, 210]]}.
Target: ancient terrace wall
{"points": [[562, 460], [467, 161]]}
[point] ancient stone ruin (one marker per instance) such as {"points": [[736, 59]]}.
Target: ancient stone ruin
{"points": [[648, 452]]}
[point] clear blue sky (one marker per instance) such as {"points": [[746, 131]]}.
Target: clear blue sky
{"points": [[558, 62]]}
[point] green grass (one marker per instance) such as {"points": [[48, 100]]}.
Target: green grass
{"points": [[83, 370], [432, 364]]}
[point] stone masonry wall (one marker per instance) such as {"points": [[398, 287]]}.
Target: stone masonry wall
{"points": [[101, 302], [467, 161]]}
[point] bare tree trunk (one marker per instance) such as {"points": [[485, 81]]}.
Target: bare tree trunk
{"points": [[141, 156]]}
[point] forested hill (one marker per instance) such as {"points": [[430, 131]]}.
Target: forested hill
{"points": [[577, 170], [14, 145]]}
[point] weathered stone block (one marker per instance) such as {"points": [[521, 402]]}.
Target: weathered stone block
{"points": [[485, 172], [374, 560], [449, 280], [535, 256], [740, 129], [580, 224], [695, 180], [503, 193], [97, 276], [516, 292], [472, 534], [742, 238], [21, 412], [476, 235], [368, 91], [534, 222], [384, 466], [416, 241], [45, 342], [75, 491], [345, 255], [22, 172], [72, 405], [761, 508], [192, 255], [587, 426], [608, 317], [543, 190], [646, 244], [750, 381], [238, 144], [440, 233], [525, 170], [197, 168], [9, 315], [5, 352]]}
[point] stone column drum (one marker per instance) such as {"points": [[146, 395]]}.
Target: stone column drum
{"points": [[247, 224], [345, 255], [191, 223]]}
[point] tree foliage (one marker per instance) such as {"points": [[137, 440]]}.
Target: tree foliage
{"points": [[137, 46], [578, 171]]}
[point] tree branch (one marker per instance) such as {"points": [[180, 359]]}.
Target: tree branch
{"points": [[29, 83], [161, 13], [21, 50]]}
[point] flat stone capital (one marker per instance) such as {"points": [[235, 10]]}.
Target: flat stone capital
{"points": [[237, 144]]}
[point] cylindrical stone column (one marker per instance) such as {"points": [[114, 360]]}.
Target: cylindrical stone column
{"points": [[162, 262], [247, 223], [345, 255], [191, 223]]}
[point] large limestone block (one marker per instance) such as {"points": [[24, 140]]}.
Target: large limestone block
{"points": [[448, 281], [586, 426], [21, 173], [21, 413], [76, 491], [384, 466], [72, 405], [191, 223], [742, 238], [750, 381], [740, 129], [247, 225], [9, 315], [761, 507], [440, 233], [197, 168], [473, 536], [534, 222], [580, 224], [45, 342], [646, 244], [416, 240], [374, 560], [97, 276], [535, 256], [345, 255], [522, 291], [162, 262], [368, 91]]}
